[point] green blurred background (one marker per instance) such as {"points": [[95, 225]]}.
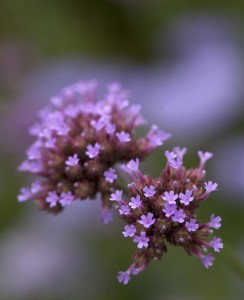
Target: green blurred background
{"points": [[183, 62]]}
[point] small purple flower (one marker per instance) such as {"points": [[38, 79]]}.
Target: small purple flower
{"points": [[210, 186], [123, 137], [147, 221], [216, 244], [179, 216], [110, 128], [169, 210], [133, 164], [130, 231], [176, 163], [66, 198], [142, 240], [116, 196], [208, 260], [25, 194], [186, 198], [192, 225], [204, 156], [135, 202], [63, 129], [36, 187], [124, 210], [215, 222], [110, 175], [52, 198], [180, 152], [99, 124], [92, 151], [149, 191], [50, 143], [72, 161], [123, 277], [106, 216], [170, 197], [170, 155]]}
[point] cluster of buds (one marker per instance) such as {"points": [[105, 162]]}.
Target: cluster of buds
{"points": [[79, 141], [163, 210]]}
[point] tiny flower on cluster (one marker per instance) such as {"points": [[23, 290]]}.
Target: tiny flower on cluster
{"points": [[124, 210], [110, 175], [164, 210], [36, 187], [133, 165], [204, 156], [169, 209], [149, 191], [130, 231], [180, 152], [192, 225], [215, 222], [123, 277], [79, 140], [170, 197], [210, 186], [142, 240], [208, 260], [92, 151], [179, 216], [52, 198], [106, 216], [123, 137], [176, 163], [147, 221], [135, 202], [116, 196], [216, 244], [66, 198], [186, 198], [72, 161]]}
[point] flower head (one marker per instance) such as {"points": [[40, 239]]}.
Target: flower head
{"points": [[164, 211], [78, 141]]}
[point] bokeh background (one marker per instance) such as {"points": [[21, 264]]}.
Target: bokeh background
{"points": [[183, 62]]}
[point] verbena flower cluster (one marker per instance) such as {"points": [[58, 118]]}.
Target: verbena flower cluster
{"points": [[79, 141], [163, 210]]}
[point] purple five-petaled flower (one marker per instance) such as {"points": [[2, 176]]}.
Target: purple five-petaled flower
{"points": [[123, 137], [215, 222], [133, 164], [123, 277], [170, 197], [130, 231], [142, 240], [169, 209], [116, 196], [52, 198], [216, 244], [147, 221], [124, 210], [149, 191], [192, 225], [179, 216], [208, 260], [186, 198], [210, 186], [135, 202], [92, 151], [72, 161], [66, 198], [110, 175]]}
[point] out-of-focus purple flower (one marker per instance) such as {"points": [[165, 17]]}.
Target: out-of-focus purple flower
{"points": [[110, 175], [66, 198], [116, 196], [52, 198], [92, 151], [123, 137], [208, 260], [25, 194], [124, 210], [72, 161], [123, 277], [133, 165]]}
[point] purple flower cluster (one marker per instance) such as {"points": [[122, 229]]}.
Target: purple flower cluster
{"points": [[163, 210], [78, 142]]}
